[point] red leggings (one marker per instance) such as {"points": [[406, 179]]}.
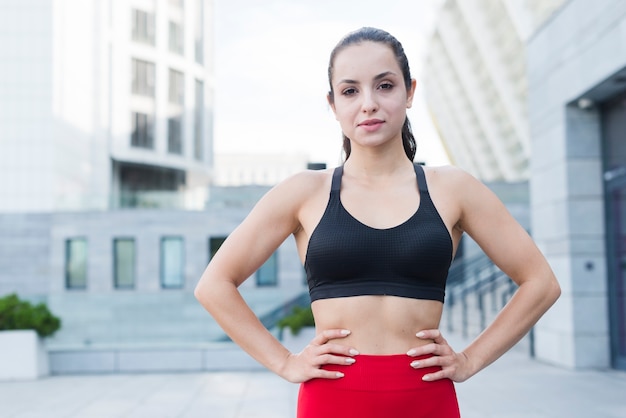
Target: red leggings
{"points": [[378, 387]]}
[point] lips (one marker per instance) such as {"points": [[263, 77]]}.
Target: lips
{"points": [[371, 125], [370, 122]]}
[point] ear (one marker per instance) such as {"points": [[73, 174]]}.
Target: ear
{"points": [[331, 103], [410, 94]]}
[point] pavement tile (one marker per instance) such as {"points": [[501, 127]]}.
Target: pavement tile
{"points": [[513, 387]]}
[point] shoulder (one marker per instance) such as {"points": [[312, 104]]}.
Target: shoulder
{"points": [[449, 178], [296, 189]]}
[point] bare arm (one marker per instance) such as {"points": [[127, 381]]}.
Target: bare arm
{"points": [[272, 220], [489, 223]]}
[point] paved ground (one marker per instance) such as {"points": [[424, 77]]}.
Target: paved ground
{"points": [[513, 387]]}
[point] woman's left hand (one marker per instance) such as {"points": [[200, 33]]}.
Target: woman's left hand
{"points": [[454, 366]]}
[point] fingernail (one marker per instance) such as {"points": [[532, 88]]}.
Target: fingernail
{"points": [[411, 352], [350, 360], [339, 374], [345, 332], [353, 352], [415, 363], [420, 334], [427, 377]]}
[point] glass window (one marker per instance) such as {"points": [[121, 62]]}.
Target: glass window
{"points": [[214, 244], [176, 87], [174, 136], [143, 78], [76, 263], [176, 38], [199, 32], [172, 262], [124, 263], [143, 26], [198, 145], [142, 131], [267, 275]]}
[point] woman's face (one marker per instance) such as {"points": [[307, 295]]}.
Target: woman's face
{"points": [[370, 98]]}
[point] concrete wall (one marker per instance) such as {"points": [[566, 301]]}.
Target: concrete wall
{"points": [[32, 263], [577, 50]]}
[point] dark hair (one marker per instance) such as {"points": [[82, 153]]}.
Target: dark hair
{"points": [[367, 34]]}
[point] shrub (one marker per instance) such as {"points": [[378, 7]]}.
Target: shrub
{"points": [[19, 314], [297, 319]]}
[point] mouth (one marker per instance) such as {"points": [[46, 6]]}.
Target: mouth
{"points": [[371, 125], [371, 122]]}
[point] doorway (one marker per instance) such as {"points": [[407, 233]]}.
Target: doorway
{"points": [[614, 145]]}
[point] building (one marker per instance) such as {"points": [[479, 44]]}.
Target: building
{"points": [[475, 83], [545, 99], [105, 104], [107, 209], [577, 114]]}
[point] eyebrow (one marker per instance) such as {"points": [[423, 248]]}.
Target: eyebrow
{"points": [[378, 77]]}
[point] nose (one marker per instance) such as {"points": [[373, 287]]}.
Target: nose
{"points": [[369, 104]]}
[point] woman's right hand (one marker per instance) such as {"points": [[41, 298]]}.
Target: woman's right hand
{"points": [[307, 364]]}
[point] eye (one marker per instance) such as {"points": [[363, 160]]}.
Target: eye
{"points": [[385, 86], [349, 91]]}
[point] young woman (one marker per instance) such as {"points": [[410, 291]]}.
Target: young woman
{"points": [[377, 236]]}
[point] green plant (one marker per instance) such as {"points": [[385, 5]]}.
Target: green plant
{"points": [[19, 314], [297, 319]]}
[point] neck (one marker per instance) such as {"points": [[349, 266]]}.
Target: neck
{"points": [[372, 162]]}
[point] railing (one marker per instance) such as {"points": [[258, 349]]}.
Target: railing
{"points": [[477, 278]]}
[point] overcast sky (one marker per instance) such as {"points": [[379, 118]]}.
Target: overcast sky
{"points": [[271, 59]]}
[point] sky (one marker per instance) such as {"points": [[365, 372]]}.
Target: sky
{"points": [[271, 60]]}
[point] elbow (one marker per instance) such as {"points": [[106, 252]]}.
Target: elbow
{"points": [[557, 290], [553, 291]]}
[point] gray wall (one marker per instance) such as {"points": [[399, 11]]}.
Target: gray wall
{"points": [[575, 52], [32, 263]]}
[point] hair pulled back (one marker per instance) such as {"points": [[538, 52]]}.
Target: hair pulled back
{"points": [[368, 34]]}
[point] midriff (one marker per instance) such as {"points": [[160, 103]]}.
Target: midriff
{"points": [[379, 325]]}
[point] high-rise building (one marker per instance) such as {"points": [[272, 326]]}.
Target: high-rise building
{"points": [[106, 157], [476, 87], [105, 104]]}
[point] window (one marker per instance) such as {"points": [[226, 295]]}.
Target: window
{"points": [[176, 87], [143, 78], [76, 263], [124, 263], [142, 131], [143, 26], [199, 32], [176, 38], [267, 275], [174, 136], [198, 145], [172, 262], [214, 244]]}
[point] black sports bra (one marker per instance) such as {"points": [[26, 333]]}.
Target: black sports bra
{"points": [[348, 258]]}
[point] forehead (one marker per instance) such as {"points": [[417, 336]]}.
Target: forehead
{"points": [[364, 60]]}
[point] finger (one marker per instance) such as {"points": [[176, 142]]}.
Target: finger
{"points": [[330, 334], [328, 374], [424, 350], [431, 377], [333, 359], [430, 334], [427, 362], [332, 348]]}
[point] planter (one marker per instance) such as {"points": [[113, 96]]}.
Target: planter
{"points": [[295, 343], [22, 355]]}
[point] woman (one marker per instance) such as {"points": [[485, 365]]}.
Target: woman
{"points": [[377, 236]]}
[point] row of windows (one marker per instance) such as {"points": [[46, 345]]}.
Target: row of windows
{"points": [[142, 133], [172, 263], [144, 81], [143, 30]]}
